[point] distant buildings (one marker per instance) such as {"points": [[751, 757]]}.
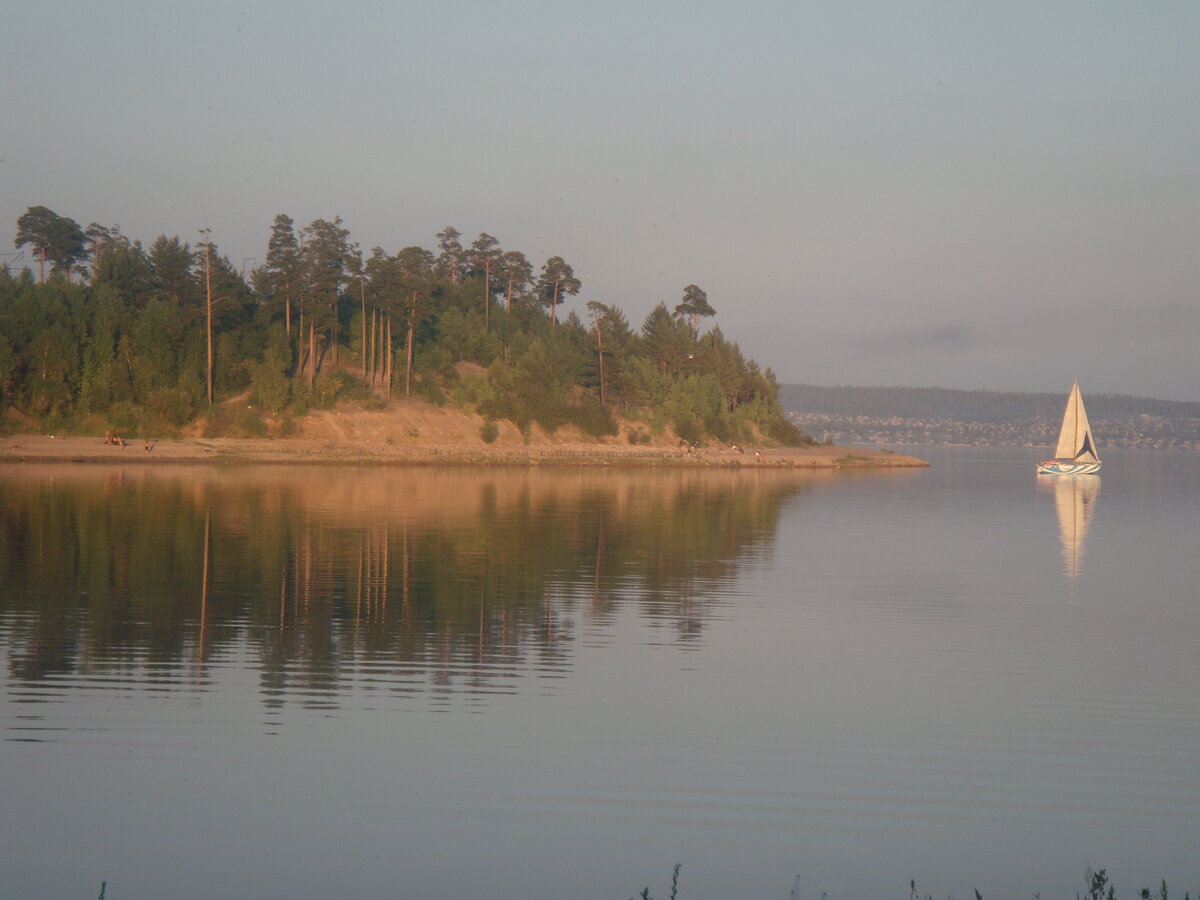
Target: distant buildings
{"points": [[1144, 431]]}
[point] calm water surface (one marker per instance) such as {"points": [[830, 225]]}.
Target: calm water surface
{"points": [[312, 682]]}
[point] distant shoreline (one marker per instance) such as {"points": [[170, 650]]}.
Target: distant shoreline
{"points": [[40, 448], [896, 416]]}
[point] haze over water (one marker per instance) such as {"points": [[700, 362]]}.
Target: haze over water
{"points": [[433, 683]]}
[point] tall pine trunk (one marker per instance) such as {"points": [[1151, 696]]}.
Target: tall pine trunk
{"points": [[487, 293], [408, 364], [412, 327], [300, 358], [312, 353], [208, 306], [362, 293], [374, 344], [388, 366], [600, 351]]}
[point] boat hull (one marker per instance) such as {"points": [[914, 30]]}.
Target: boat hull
{"points": [[1057, 467]]}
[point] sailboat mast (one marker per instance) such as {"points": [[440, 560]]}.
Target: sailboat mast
{"points": [[1074, 433]]}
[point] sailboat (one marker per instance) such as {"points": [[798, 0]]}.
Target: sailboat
{"points": [[1076, 451]]}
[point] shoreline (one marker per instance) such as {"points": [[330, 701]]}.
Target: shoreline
{"points": [[19, 448]]}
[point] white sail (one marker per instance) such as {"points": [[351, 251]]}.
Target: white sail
{"points": [[1075, 440]]}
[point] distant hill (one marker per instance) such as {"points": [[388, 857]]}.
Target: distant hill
{"points": [[901, 415]]}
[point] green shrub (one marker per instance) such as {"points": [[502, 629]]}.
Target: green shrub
{"points": [[436, 361], [431, 391], [489, 431], [637, 436], [323, 392], [330, 387], [123, 419], [472, 389], [780, 429], [689, 430], [271, 387], [593, 418], [718, 427], [171, 405]]}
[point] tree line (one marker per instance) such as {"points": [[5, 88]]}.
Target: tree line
{"points": [[145, 339]]}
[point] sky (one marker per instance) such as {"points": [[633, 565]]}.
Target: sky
{"points": [[998, 196]]}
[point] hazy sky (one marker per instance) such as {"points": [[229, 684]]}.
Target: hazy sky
{"points": [[994, 195]]}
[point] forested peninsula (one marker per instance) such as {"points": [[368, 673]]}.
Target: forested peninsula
{"points": [[103, 334]]}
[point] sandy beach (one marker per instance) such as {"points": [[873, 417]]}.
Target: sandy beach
{"points": [[412, 432], [74, 449]]}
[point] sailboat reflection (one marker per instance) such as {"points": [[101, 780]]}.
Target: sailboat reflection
{"points": [[1075, 497]]}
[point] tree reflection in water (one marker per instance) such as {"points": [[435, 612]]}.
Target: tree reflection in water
{"points": [[432, 581]]}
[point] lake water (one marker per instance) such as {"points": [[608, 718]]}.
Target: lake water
{"points": [[320, 682]]}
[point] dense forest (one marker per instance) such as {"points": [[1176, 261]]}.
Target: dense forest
{"points": [[111, 334]]}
